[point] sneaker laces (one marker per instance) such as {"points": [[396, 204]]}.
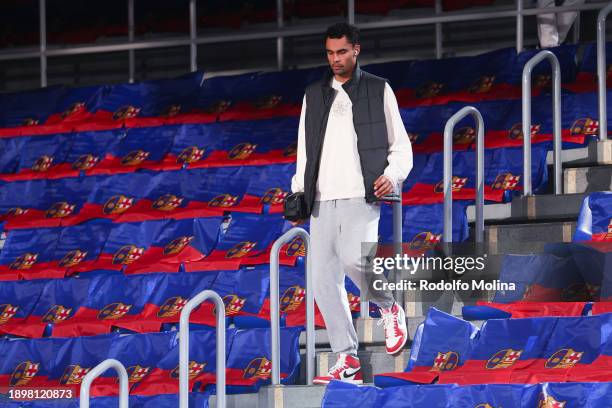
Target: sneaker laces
{"points": [[338, 367], [389, 319]]}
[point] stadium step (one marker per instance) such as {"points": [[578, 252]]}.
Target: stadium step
{"points": [[587, 179], [527, 237], [541, 207], [596, 153]]}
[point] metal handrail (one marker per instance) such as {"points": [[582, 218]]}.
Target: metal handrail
{"points": [[275, 308], [556, 78], [96, 372], [184, 347], [448, 169], [601, 71]]}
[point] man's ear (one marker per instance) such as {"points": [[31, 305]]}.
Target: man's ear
{"points": [[357, 49]]}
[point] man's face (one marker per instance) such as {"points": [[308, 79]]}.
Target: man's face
{"points": [[341, 55]]}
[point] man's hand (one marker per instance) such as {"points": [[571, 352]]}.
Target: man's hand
{"points": [[382, 186]]}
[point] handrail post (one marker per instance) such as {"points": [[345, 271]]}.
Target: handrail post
{"points": [[448, 169], [184, 347], [275, 307], [556, 77], [96, 372], [601, 71]]}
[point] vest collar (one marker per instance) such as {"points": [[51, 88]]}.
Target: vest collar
{"points": [[349, 86]]}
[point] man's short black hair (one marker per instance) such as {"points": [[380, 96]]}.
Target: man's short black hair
{"points": [[340, 30]]}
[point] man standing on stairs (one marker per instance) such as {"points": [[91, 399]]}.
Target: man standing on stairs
{"points": [[352, 150]]}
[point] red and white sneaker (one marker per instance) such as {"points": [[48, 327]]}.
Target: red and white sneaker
{"points": [[347, 369], [396, 333]]}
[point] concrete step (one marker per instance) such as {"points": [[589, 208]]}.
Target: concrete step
{"points": [[596, 153], [587, 179], [527, 238], [541, 207]]}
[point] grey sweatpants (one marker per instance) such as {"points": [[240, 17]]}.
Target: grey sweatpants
{"points": [[337, 229]]}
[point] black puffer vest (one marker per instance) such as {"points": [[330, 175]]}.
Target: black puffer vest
{"points": [[366, 92]]}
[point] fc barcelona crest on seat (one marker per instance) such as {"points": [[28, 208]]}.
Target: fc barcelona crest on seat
{"points": [[542, 81], [25, 261], [296, 247], [608, 235], [60, 210], [134, 158], [195, 369], [167, 202], [177, 245], [425, 240], [506, 181], [7, 311], [43, 163], [114, 311], [190, 154], [223, 200], [172, 306], [127, 254], [581, 292], [585, 126], [503, 359], [136, 373], [413, 137], [72, 258], [242, 151], [171, 111], [483, 84], [274, 196], [564, 358], [457, 183], [126, 112], [73, 109], [218, 107], [258, 368], [30, 122], [429, 90], [464, 136], [233, 304], [241, 249], [15, 211], [117, 204], [291, 150], [24, 373], [56, 314], [547, 401], [85, 162], [445, 361], [292, 298], [516, 131], [74, 374], [268, 102]]}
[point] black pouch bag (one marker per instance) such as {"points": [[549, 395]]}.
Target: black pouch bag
{"points": [[295, 207]]}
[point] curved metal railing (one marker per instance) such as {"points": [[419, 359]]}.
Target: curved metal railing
{"points": [[184, 347], [275, 307], [556, 78], [448, 170], [96, 372]]}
